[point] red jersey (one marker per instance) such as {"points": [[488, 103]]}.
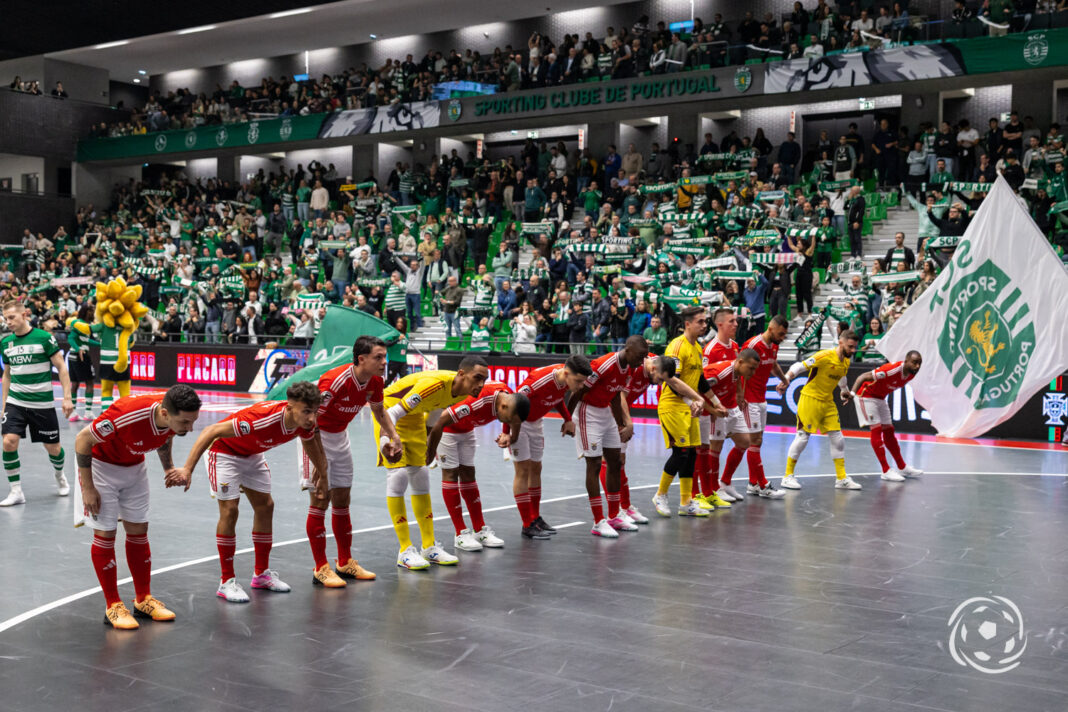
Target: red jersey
{"points": [[127, 430], [716, 351], [888, 377], [637, 384], [724, 382], [544, 393], [474, 411], [344, 396], [257, 429], [610, 376], [757, 385]]}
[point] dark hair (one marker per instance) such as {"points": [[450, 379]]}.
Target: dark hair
{"points": [[912, 353], [666, 365], [748, 355], [687, 314], [469, 362], [720, 312], [304, 392], [779, 320], [849, 335], [364, 345], [181, 399], [522, 406], [578, 364], [637, 342]]}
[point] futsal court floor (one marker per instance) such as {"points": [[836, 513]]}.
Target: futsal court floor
{"points": [[827, 600]]}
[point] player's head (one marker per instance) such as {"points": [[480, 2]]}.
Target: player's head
{"points": [[15, 314], [512, 407], [913, 361], [847, 343], [635, 349], [694, 321], [576, 370], [726, 323], [369, 357], [660, 369], [180, 408], [303, 403], [747, 362], [776, 331], [471, 375]]}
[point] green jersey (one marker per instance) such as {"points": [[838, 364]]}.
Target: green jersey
{"points": [[27, 359]]}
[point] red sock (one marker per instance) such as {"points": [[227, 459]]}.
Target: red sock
{"points": [[261, 542], [613, 504], [316, 528], [734, 458], [469, 491], [712, 473], [756, 467], [893, 447], [596, 508], [624, 489], [450, 492], [227, 546], [522, 503], [139, 559], [700, 472], [103, 555], [877, 446], [342, 527], [603, 475], [535, 502]]}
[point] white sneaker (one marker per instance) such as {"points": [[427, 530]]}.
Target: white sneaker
{"points": [[62, 484], [725, 495], [910, 471], [770, 492], [625, 517], [604, 529], [893, 475], [411, 559], [692, 510], [729, 490], [488, 538], [790, 482], [622, 525], [660, 503], [753, 490], [437, 555], [15, 496], [848, 484], [269, 581], [637, 517], [231, 590], [466, 541]]}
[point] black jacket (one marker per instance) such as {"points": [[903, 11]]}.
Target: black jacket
{"points": [[910, 258], [855, 212]]}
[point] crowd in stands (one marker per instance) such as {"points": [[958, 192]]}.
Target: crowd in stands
{"points": [[623, 52], [33, 86], [620, 239]]}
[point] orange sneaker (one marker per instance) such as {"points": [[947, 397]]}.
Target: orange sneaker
{"points": [[119, 617], [153, 609], [353, 570], [325, 576]]}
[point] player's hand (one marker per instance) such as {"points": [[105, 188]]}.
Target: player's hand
{"points": [[696, 409], [430, 455], [393, 450], [68, 407], [567, 428], [719, 411], [91, 499], [504, 441], [783, 385], [179, 477], [318, 481], [626, 433], [846, 397]]}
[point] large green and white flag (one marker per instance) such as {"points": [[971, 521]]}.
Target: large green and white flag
{"points": [[991, 327]]}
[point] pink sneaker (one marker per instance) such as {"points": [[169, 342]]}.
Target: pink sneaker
{"points": [[621, 525], [269, 581]]}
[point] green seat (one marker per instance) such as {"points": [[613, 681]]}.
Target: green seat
{"points": [[754, 61], [453, 343]]}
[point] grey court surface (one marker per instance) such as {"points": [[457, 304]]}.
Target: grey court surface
{"points": [[828, 600]]}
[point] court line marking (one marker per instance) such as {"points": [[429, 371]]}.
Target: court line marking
{"points": [[33, 613]]}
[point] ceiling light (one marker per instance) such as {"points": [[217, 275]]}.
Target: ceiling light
{"points": [[142, 72], [137, 80], [109, 45], [374, 37], [288, 13], [191, 30]]}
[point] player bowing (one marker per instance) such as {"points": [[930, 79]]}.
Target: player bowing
{"points": [[871, 389], [546, 388], [344, 390], [721, 347], [236, 464], [767, 347], [455, 431], [816, 411], [114, 482], [726, 381]]}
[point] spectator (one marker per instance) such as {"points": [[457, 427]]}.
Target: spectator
{"points": [[480, 336], [59, 92], [576, 325]]}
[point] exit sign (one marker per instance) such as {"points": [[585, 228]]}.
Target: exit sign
{"points": [[866, 104]]}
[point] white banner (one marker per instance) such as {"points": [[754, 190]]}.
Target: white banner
{"points": [[991, 327]]}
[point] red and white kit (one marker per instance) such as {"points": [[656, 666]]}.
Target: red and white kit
{"points": [[457, 446], [723, 381], [596, 429], [715, 351], [757, 385], [872, 408], [237, 462], [545, 396], [122, 435]]}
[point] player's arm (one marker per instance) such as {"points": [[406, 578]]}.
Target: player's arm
{"points": [[5, 384], [389, 430], [571, 400], [166, 456], [843, 386], [712, 403], [64, 379], [313, 448], [798, 368], [740, 398], [621, 413], [183, 476], [83, 455], [865, 377], [689, 395], [568, 426], [435, 435]]}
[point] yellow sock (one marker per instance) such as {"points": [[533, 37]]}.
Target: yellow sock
{"points": [[424, 518], [398, 514], [665, 482], [790, 463], [685, 490], [839, 468]]}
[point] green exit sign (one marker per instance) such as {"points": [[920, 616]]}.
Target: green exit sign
{"points": [[866, 104]]}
